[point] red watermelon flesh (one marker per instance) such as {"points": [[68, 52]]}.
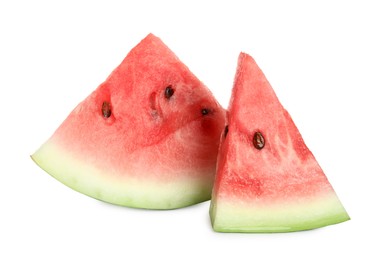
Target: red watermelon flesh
{"points": [[147, 137], [267, 179]]}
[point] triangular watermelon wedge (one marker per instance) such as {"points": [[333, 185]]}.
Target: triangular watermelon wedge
{"points": [[147, 137], [267, 179]]}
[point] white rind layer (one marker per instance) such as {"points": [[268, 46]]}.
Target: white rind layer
{"points": [[302, 214], [118, 187]]}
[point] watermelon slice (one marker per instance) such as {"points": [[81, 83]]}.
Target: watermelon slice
{"points": [[147, 137], [267, 179]]}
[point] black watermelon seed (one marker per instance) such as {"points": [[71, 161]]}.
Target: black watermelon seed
{"points": [[106, 109], [169, 91], [226, 130], [205, 111], [258, 140]]}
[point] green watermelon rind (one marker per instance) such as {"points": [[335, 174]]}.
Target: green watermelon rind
{"points": [[306, 214], [135, 193]]}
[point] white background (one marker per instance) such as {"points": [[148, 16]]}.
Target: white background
{"points": [[319, 57]]}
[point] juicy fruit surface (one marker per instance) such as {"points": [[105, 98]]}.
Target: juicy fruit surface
{"points": [[141, 138], [277, 188]]}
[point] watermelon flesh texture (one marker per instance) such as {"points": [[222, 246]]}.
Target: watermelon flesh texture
{"points": [[278, 188], [147, 137]]}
